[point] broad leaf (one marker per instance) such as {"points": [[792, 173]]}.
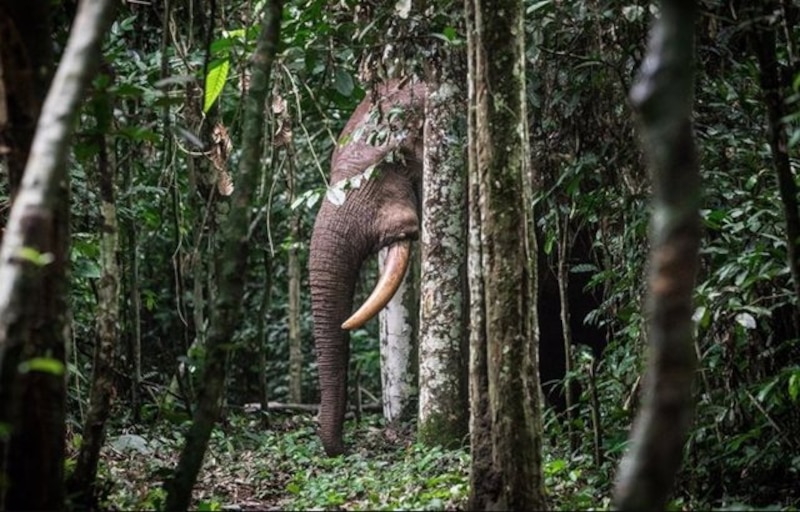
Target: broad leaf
{"points": [[215, 81]]}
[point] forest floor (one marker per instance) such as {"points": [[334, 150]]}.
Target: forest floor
{"points": [[281, 466], [252, 464]]}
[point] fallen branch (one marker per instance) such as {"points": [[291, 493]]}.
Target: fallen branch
{"points": [[311, 408]]}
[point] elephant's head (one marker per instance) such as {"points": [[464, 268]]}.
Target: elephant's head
{"points": [[375, 176]]}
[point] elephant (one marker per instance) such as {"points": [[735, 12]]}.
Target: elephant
{"points": [[373, 202]]}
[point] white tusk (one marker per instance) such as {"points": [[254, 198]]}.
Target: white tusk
{"points": [[395, 266]]}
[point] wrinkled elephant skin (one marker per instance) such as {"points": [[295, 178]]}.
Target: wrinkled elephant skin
{"points": [[379, 153]]}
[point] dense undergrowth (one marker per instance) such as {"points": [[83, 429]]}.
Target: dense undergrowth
{"points": [[743, 451], [282, 467]]}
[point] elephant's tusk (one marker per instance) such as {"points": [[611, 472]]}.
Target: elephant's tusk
{"points": [[395, 266]]}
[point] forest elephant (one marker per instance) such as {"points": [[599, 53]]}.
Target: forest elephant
{"points": [[372, 202]]}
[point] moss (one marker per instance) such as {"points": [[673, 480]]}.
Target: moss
{"points": [[444, 430]]}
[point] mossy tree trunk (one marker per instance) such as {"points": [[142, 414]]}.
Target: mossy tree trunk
{"points": [[443, 396], [663, 96], [33, 284], [500, 173]]}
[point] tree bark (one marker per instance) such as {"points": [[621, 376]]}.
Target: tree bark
{"points": [[663, 98], [26, 67], [566, 330], [443, 395], [399, 333], [764, 40], [502, 175], [81, 482], [134, 350], [484, 480], [33, 284], [295, 340], [232, 267]]}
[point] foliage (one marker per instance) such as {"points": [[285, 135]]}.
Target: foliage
{"points": [[582, 56], [285, 467], [747, 411]]}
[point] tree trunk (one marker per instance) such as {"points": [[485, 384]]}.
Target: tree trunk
{"points": [[484, 480], [566, 330], [232, 267], [134, 301], [262, 336], [399, 332], [33, 284], [295, 340], [443, 395], [764, 41], [663, 98], [81, 482], [26, 67], [507, 267]]}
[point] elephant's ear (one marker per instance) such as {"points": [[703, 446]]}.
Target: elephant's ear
{"points": [[395, 267]]}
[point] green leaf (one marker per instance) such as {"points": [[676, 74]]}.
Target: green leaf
{"points": [[215, 81], [343, 82], [209, 506], [702, 315], [538, 5], [794, 386], [31, 255], [42, 364], [764, 392], [549, 243], [555, 466]]}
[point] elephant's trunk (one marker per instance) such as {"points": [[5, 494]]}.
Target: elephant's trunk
{"points": [[334, 265]]}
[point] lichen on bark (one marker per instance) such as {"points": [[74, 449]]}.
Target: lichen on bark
{"points": [[443, 334]]}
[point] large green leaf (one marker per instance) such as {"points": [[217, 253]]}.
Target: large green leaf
{"points": [[215, 81]]}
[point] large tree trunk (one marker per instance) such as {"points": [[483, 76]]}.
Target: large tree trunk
{"points": [[33, 284], [507, 268], [443, 398], [663, 95], [232, 267]]}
